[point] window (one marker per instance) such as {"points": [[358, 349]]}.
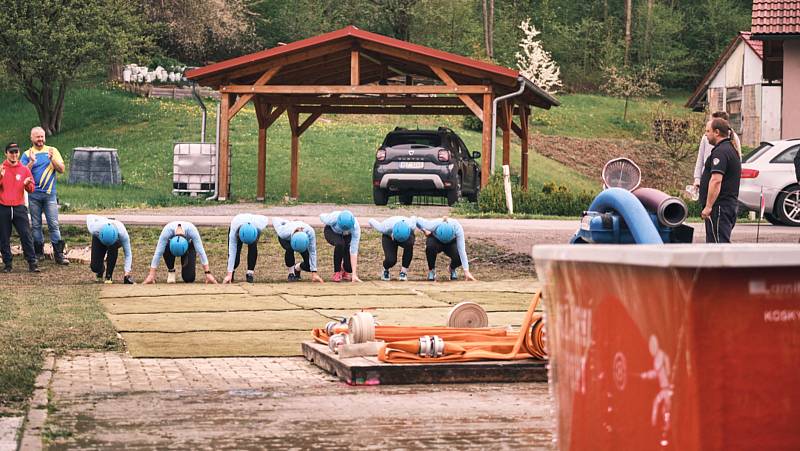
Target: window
{"points": [[396, 139], [756, 153], [733, 98], [787, 156]]}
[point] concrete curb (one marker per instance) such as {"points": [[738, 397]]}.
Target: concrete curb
{"points": [[31, 436]]}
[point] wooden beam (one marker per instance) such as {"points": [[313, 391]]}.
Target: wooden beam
{"points": [[224, 151], [373, 110], [523, 119], [307, 123], [262, 112], [354, 68], [262, 80], [486, 155], [506, 107], [362, 89], [517, 130], [448, 80], [361, 101], [294, 117], [274, 115], [377, 61]]}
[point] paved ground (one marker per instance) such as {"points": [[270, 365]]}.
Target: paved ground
{"points": [[108, 401]]}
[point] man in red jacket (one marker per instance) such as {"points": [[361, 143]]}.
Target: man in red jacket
{"points": [[15, 179]]}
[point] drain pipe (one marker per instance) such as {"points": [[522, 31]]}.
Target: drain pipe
{"points": [[521, 81], [197, 97], [216, 160]]}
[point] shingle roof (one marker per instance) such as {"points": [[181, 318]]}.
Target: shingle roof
{"points": [[776, 17]]}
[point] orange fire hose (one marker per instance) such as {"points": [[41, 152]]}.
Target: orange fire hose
{"points": [[402, 343]]}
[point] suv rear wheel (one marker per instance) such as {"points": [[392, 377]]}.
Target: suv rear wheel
{"points": [[380, 196], [788, 206], [454, 195]]}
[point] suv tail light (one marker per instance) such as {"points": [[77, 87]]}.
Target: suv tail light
{"points": [[749, 173], [380, 155], [444, 155]]}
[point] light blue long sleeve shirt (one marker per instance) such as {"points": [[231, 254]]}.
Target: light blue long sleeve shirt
{"points": [[285, 228], [331, 218], [190, 233], [95, 223], [431, 225], [387, 225], [259, 221]]}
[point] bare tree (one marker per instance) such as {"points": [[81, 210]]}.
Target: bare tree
{"points": [[488, 27]]}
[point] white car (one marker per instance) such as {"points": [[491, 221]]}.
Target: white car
{"points": [[770, 169]]}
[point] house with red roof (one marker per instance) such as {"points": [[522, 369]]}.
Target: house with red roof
{"points": [[776, 24], [736, 84]]}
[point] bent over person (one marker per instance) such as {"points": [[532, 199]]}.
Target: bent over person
{"points": [[297, 236], [180, 239], [397, 231], [343, 232], [15, 179], [445, 235], [108, 235], [246, 229]]}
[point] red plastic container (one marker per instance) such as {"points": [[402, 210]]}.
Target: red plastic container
{"points": [[677, 347]]}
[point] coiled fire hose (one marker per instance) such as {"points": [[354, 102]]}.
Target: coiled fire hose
{"points": [[409, 344]]}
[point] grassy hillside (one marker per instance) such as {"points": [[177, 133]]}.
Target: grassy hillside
{"points": [[336, 153]]}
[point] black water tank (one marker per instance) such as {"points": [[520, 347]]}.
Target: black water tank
{"points": [[95, 166]]}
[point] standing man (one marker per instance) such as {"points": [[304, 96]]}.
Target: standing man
{"points": [[297, 236], [15, 179], [343, 232], [44, 162], [245, 229], [704, 150], [397, 231], [180, 239], [719, 185], [445, 235], [108, 235]]}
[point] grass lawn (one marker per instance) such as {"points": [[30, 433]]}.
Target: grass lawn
{"points": [[59, 308], [336, 153]]}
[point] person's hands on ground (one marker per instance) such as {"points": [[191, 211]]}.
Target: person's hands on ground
{"points": [[468, 276], [228, 278], [150, 279], [210, 279], [316, 278]]}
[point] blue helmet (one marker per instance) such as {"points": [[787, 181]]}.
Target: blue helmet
{"points": [[108, 234], [445, 232], [346, 221], [300, 241], [178, 245], [401, 231], [248, 233]]}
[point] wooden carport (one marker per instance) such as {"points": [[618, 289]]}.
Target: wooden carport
{"points": [[351, 71]]}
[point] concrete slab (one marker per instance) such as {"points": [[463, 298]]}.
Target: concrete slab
{"points": [[9, 426], [204, 303]]}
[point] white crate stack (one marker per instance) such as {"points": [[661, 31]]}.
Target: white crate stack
{"points": [[194, 168]]}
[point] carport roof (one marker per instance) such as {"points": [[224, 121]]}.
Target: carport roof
{"points": [[325, 60]]}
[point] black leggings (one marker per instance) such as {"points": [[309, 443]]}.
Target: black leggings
{"points": [[341, 249], [101, 252], [288, 257], [433, 247], [390, 251], [18, 218], [188, 263], [252, 253]]}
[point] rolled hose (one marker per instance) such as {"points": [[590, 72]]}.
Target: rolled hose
{"points": [[632, 210], [670, 210]]}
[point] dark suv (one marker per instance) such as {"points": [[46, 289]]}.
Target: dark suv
{"points": [[425, 162]]}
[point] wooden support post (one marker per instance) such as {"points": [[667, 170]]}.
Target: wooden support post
{"points": [[507, 118], [294, 126], [354, 68], [523, 121], [262, 113], [486, 156], [223, 151]]}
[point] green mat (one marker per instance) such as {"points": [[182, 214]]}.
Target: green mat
{"points": [[216, 344], [206, 303], [219, 321], [490, 301], [362, 301]]}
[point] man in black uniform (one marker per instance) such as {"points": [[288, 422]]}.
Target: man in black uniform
{"points": [[719, 184]]}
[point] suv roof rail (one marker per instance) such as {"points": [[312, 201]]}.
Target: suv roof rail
{"points": [[444, 129], [399, 128]]}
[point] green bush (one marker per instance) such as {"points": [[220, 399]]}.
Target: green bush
{"points": [[472, 123], [553, 200]]}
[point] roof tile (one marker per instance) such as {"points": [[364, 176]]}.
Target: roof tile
{"points": [[776, 17]]}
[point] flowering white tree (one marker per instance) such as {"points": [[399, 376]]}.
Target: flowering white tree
{"points": [[534, 62]]}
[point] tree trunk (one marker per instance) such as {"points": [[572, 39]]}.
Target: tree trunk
{"points": [[49, 110], [625, 113], [648, 28], [628, 37], [488, 27]]}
